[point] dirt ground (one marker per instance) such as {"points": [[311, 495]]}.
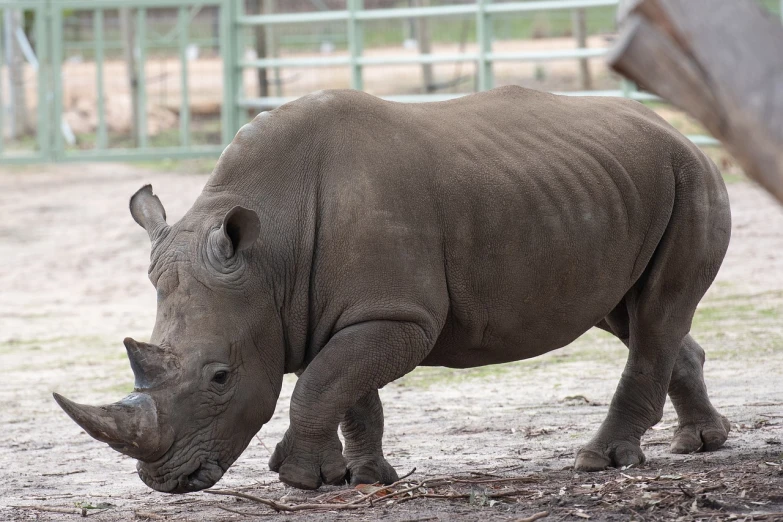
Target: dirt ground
{"points": [[73, 285]]}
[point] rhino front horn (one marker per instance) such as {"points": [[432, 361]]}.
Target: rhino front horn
{"points": [[129, 426]]}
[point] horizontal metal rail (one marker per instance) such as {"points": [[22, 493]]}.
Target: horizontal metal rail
{"points": [[332, 61], [418, 59], [147, 154], [548, 5], [26, 4], [418, 12], [555, 54], [89, 5], [153, 43]]}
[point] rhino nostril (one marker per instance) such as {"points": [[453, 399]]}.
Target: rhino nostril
{"points": [[194, 475]]}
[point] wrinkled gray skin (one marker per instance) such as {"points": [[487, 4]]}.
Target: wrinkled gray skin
{"points": [[349, 240]]}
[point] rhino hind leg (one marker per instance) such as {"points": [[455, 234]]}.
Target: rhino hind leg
{"points": [[659, 309], [701, 426], [637, 405], [362, 427]]}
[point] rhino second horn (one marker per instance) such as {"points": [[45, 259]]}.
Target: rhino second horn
{"points": [[149, 362], [129, 426]]}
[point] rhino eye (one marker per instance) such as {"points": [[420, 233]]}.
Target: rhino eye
{"points": [[220, 377]]}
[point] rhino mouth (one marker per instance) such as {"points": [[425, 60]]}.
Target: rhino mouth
{"points": [[202, 475]]}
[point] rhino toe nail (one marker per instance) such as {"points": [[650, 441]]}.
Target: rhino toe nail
{"points": [[685, 443], [713, 439], [588, 460], [299, 480]]}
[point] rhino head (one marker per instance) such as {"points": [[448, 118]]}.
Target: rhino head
{"points": [[210, 376]]}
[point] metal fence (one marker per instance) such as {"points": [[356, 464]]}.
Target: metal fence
{"points": [[85, 53], [60, 97], [484, 57]]}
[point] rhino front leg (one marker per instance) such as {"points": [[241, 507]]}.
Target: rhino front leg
{"points": [[357, 360], [362, 428]]}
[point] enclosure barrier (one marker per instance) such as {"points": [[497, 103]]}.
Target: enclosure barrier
{"points": [[53, 138], [483, 10], [52, 133]]}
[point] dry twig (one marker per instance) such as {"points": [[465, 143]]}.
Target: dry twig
{"points": [[63, 473], [148, 515], [277, 506], [496, 481], [52, 509], [533, 518], [243, 513]]}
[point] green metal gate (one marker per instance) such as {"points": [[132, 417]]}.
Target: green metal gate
{"points": [[51, 131]]}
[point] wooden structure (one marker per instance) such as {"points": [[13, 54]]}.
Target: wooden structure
{"points": [[721, 62]]}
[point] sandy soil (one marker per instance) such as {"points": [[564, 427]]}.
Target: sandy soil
{"points": [[74, 284]]}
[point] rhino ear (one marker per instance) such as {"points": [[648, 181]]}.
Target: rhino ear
{"points": [[148, 211], [241, 227]]}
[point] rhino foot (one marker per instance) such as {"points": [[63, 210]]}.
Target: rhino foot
{"points": [[304, 468], [371, 471], [600, 456], [691, 437]]}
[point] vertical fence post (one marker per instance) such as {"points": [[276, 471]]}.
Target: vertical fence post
{"points": [[57, 43], [240, 114], [423, 36], [261, 42], [8, 48], [484, 40], [355, 43], [44, 135], [2, 103], [579, 28], [184, 102], [98, 37], [272, 47], [141, 76], [628, 88], [230, 64]]}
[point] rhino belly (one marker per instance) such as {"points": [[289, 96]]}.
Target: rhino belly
{"points": [[521, 305]]}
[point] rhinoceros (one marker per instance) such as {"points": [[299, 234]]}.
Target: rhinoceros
{"points": [[349, 240]]}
